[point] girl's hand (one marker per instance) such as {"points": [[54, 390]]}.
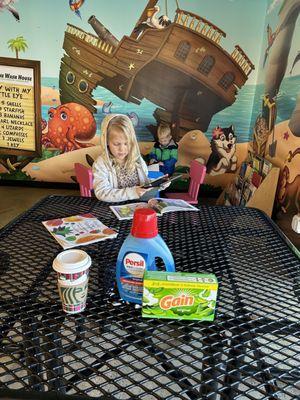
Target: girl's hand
{"points": [[140, 191]]}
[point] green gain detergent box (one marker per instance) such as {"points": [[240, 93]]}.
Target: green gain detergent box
{"points": [[179, 295]]}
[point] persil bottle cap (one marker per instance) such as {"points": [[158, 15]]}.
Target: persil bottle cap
{"points": [[144, 223]]}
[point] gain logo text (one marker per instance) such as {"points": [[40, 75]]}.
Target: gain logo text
{"points": [[169, 301]]}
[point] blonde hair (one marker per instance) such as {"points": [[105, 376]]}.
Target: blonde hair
{"points": [[164, 130], [123, 124]]}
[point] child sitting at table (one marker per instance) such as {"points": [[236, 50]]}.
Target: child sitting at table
{"points": [[119, 171]]}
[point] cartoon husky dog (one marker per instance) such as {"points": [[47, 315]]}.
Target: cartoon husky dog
{"points": [[223, 146]]}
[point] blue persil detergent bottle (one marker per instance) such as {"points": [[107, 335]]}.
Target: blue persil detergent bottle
{"points": [[138, 253]]}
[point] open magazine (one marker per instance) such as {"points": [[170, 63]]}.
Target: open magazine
{"points": [[78, 230], [161, 206]]}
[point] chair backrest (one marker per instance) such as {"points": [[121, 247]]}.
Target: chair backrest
{"points": [[84, 176], [197, 175]]}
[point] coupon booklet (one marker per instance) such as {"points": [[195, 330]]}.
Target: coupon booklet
{"points": [[161, 206], [78, 230]]}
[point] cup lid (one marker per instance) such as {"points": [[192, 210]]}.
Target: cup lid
{"points": [[72, 260]]}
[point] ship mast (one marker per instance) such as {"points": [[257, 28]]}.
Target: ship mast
{"points": [[143, 17]]}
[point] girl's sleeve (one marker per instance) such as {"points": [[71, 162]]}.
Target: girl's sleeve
{"points": [[103, 188], [145, 171]]}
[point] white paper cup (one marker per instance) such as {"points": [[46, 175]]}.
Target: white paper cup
{"points": [[72, 267]]}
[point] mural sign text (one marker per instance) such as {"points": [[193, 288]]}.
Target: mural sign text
{"points": [[20, 109]]}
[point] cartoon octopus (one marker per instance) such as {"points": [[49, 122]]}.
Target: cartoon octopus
{"points": [[67, 124]]}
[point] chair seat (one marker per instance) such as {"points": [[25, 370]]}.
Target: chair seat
{"points": [[182, 196]]}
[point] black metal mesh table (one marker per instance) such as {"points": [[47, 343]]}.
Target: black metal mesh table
{"points": [[250, 351]]}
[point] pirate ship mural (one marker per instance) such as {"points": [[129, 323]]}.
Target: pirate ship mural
{"points": [[178, 65]]}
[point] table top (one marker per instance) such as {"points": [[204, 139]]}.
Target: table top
{"points": [[250, 351]]}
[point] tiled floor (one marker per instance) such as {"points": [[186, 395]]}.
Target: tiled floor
{"points": [[15, 200]]}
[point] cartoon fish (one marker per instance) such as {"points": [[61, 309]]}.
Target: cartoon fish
{"points": [[75, 5], [67, 124], [134, 118], [8, 5], [106, 107]]}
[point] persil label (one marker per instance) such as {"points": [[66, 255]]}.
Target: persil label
{"points": [[135, 264]]}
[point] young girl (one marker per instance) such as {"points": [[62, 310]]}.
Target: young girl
{"points": [[119, 171]]}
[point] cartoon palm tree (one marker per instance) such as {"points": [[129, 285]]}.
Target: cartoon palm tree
{"points": [[18, 44]]}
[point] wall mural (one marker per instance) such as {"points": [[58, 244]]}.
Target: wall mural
{"points": [[163, 63], [277, 126]]}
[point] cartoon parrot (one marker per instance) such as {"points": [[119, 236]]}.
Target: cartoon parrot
{"points": [[75, 5]]}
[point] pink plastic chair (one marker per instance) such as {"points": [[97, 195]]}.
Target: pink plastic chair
{"points": [[84, 177], [197, 175]]}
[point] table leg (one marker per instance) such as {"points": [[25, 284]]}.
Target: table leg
{"points": [[238, 350], [32, 352], [213, 366], [5, 327], [179, 377], [53, 357]]}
